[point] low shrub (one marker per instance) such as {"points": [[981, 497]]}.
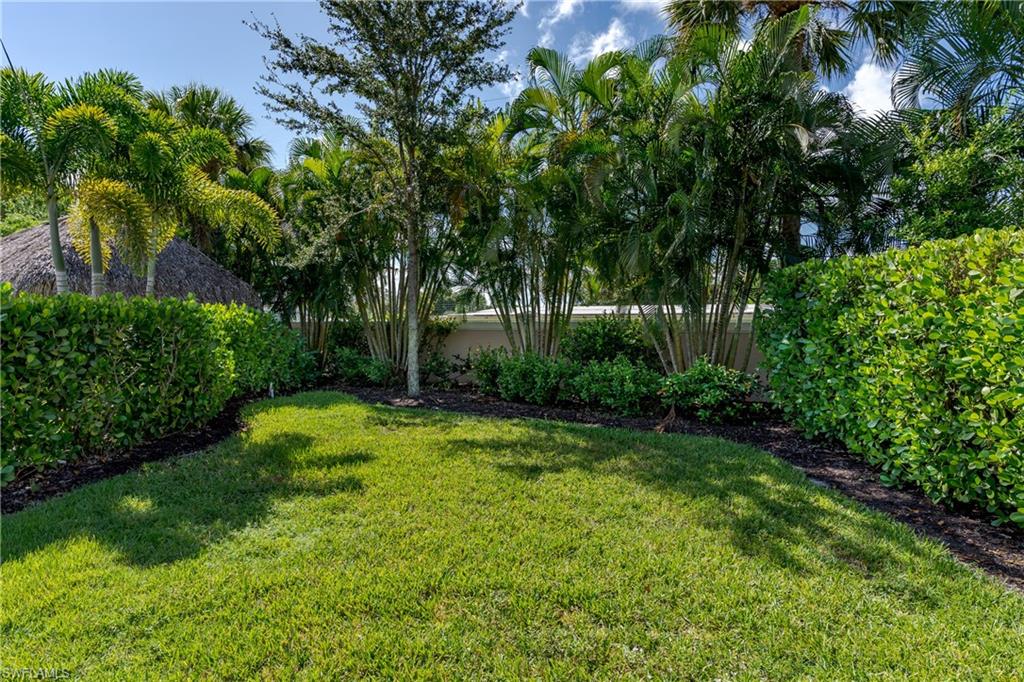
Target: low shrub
{"points": [[438, 370], [710, 392], [912, 358], [532, 378], [485, 364], [617, 385], [605, 338], [82, 375], [349, 366]]}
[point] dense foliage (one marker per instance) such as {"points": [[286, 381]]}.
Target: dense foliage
{"points": [[83, 375], [618, 385], [606, 338], [912, 358], [533, 378], [621, 385], [710, 392], [265, 353]]}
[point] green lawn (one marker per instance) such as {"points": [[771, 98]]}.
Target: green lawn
{"points": [[337, 539]]}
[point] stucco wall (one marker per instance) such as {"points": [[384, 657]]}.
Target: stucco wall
{"points": [[476, 334]]}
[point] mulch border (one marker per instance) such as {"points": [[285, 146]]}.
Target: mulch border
{"points": [[966, 532]]}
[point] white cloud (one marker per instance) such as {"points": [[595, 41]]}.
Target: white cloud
{"points": [[546, 39], [655, 6], [869, 90], [586, 46], [514, 85], [562, 9]]}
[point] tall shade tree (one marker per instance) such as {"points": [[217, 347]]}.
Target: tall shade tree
{"points": [[409, 65], [47, 133]]}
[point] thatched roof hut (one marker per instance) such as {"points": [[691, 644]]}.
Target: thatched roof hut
{"points": [[181, 269]]}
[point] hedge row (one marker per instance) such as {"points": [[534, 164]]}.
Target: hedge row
{"points": [[913, 358], [82, 375], [708, 392]]}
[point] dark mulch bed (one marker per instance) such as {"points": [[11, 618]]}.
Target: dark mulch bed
{"points": [[965, 531]]}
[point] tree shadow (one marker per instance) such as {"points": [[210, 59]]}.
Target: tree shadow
{"points": [[171, 511], [765, 508]]}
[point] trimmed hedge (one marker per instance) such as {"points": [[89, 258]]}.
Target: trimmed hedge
{"points": [[915, 360], [82, 375]]}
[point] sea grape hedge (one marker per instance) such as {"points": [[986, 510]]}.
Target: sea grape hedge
{"points": [[914, 359], [81, 375]]}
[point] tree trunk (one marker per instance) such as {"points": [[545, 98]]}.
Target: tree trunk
{"points": [[789, 224], [59, 270], [99, 286], [151, 276], [412, 281], [413, 296]]}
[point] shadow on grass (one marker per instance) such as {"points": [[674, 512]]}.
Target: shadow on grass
{"points": [[169, 512], [761, 505]]}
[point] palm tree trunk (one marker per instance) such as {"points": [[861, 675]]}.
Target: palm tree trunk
{"points": [[151, 276], [789, 224], [59, 269], [99, 286]]}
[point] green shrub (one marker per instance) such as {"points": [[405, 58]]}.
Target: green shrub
{"points": [[710, 392], [266, 353], [617, 385], [349, 366], [532, 378], [486, 366], [913, 359], [438, 370], [347, 332], [605, 338], [82, 375]]}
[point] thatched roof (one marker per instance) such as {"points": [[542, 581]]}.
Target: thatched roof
{"points": [[181, 269]]}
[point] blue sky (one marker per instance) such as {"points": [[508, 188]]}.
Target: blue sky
{"points": [[170, 43]]}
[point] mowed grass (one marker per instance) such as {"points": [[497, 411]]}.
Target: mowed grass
{"points": [[339, 540]]}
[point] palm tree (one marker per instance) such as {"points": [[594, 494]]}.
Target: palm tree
{"points": [[556, 147], [46, 135], [969, 59], [118, 93], [139, 203], [201, 106], [708, 142], [824, 44]]}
